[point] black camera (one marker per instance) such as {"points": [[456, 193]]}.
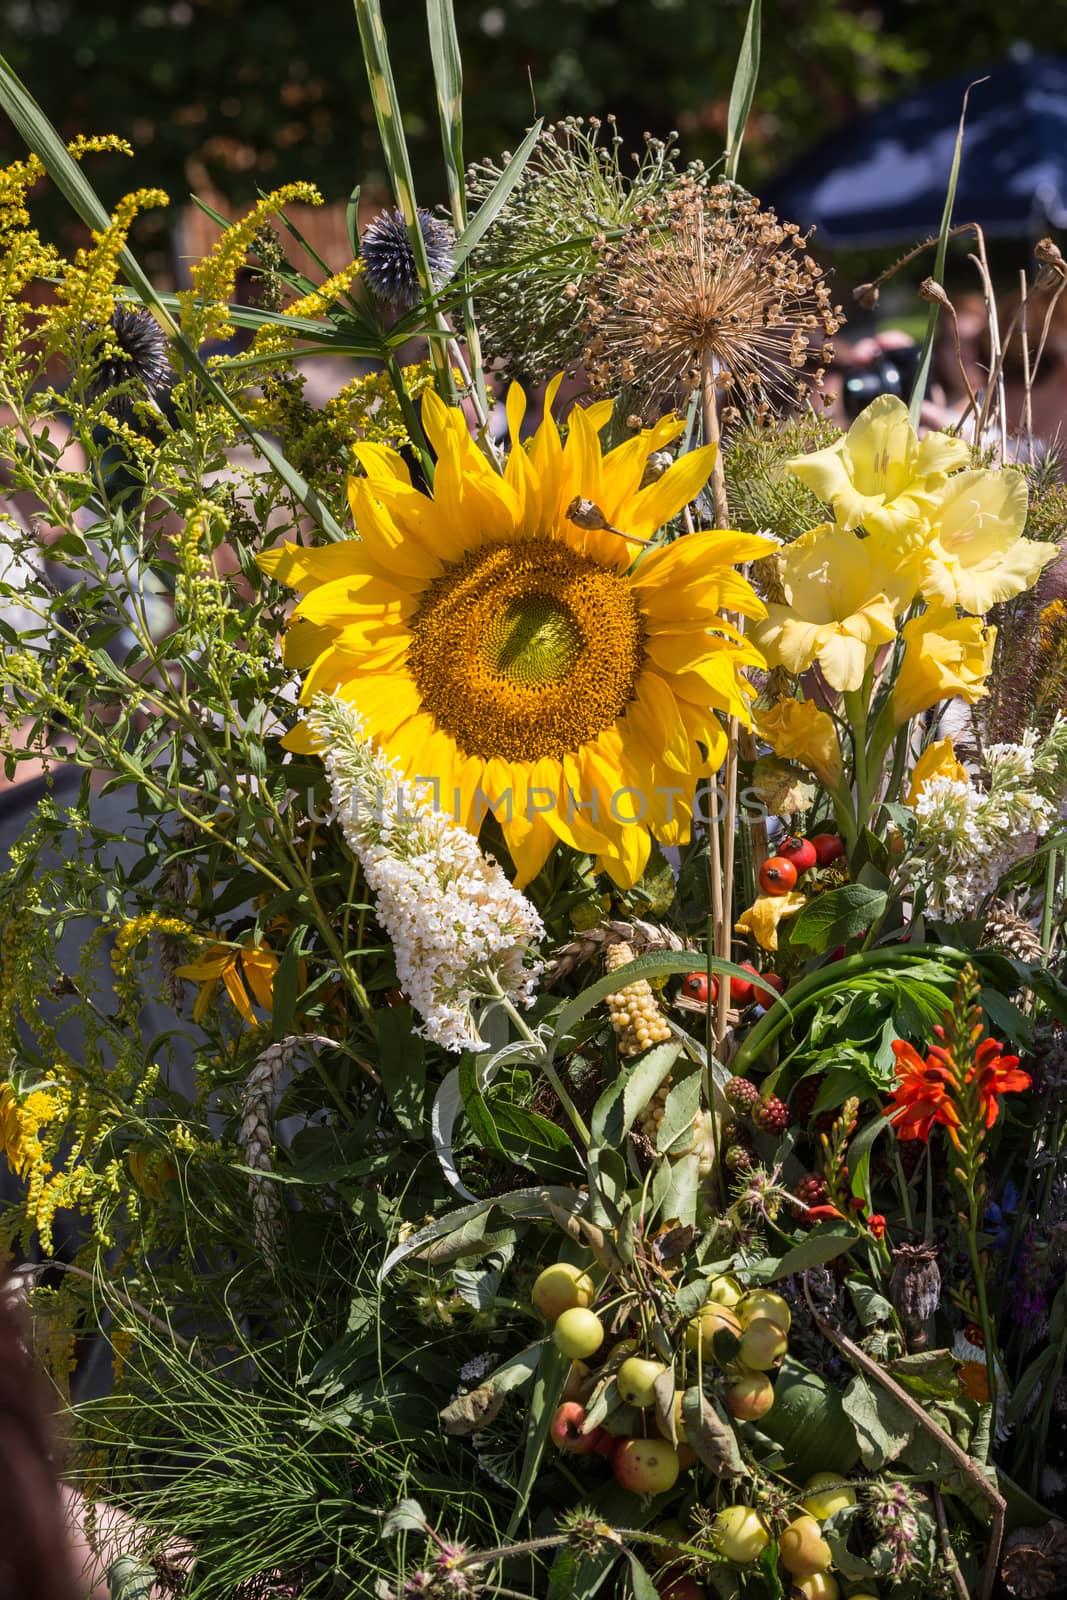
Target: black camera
{"points": [[894, 372]]}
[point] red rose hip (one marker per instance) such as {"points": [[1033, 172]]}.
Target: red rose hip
{"points": [[828, 847], [777, 876], [695, 987], [801, 852]]}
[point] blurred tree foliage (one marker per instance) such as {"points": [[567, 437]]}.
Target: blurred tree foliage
{"points": [[233, 95]]}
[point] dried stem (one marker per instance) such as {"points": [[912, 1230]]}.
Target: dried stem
{"points": [[1027, 419], [959, 1583]]}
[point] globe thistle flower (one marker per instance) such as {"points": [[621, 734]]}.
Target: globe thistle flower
{"points": [[130, 359], [389, 261], [708, 282], [536, 257]]}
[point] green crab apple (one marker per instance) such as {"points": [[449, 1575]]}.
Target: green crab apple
{"points": [[636, 1381], [578, 1378], [822, 1586], [825, 1494], [709, 1320], [646, 1466], [765, 1303], [802, 1548], [578, 1333], [763, 1344], [724, 1291], [560, 1288], [739, 1534], [749, 1396], [566, 1430]]}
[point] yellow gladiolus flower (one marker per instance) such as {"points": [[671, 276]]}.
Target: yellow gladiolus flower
{"points": [[761, 919], [975, 554], [235, 965], [945, 658], [507, 641], [842, 604], [938, 760], [879, 474], [798, 731]]}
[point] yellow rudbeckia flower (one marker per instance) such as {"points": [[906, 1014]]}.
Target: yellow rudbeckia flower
{"points": [[945, 658], [842, 601], [761, 919], [975, 554], [798, 731], [880, 472], [553, 670], [236, 966], [938, 760]]}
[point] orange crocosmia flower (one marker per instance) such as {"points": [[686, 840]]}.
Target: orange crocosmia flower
{"points": [[997, 1075], [923, 1095]]}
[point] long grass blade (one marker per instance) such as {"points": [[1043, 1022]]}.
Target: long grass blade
{"points": [[743, 89], [41, 137], [395, 149], [927, 354]]}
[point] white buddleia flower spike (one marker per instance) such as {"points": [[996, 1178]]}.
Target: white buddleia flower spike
{"points": [[459, 929]]}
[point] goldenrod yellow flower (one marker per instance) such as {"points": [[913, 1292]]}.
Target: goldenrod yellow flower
{"points": [[761, 919], [798, 731], [880, 473], [21, 1122], [975, 554], [945, 658], [842, 602], [938, 760], [234, 965], [520, 659]]}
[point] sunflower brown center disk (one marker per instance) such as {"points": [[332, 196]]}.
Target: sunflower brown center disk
{"points": [[526, 650]]}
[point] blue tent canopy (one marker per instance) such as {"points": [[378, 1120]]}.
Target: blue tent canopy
{"points": [[882, 177]]}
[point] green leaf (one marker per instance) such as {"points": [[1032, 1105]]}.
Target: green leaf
{"points": [[407, 1517], [680, 1111], [552, 1372], [839, 914], [882, 1425], [527, 1204], [825, 1242], [448, 83], [711, 1434], [617, 1108], [286, 986], [130, 1578], [810, 1424], [644, 1588], [402, 1064], [743, 89], [352, 221]]}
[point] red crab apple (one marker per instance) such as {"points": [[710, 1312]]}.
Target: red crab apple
{"points": [[646, 1466], [749, 1396], [828, 847], [567, 1432], [560, 1288], [802, 1548]]}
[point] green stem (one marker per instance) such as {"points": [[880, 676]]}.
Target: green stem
{"points": [[1048, 910], [541, 1059], [979, 1283], [411, 416]]}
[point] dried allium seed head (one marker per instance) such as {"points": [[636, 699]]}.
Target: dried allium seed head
{"points": [[705, 284]]}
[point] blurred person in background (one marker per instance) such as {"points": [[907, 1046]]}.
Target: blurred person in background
{"points": [[36, 1562]]}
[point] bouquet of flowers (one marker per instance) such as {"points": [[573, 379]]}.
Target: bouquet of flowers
{"points": [[533, 1054]]}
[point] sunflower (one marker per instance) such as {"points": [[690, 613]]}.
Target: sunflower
{"points": [[558, 672]]}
